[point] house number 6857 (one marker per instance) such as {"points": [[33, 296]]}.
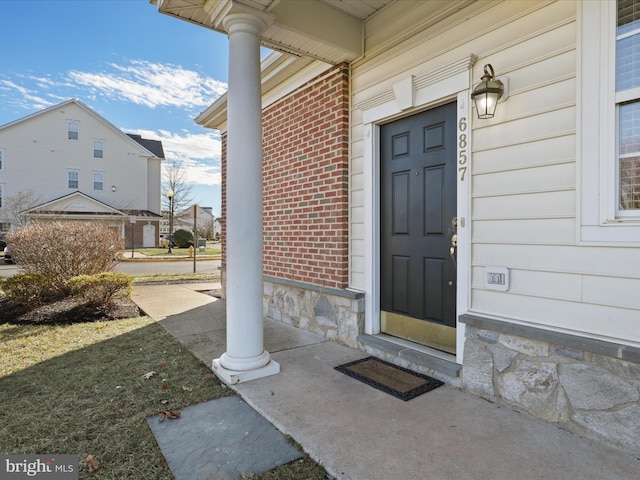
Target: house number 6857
{"points": [[462, 148]]}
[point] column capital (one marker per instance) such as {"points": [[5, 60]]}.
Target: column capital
{"points": [[241, 18]]}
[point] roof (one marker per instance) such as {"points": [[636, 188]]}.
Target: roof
{"points": [[154, 146], [78, 204]]}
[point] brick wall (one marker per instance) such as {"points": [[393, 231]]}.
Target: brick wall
{"points": [[305, 179]]}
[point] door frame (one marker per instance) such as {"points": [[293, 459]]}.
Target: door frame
{"points": [[410, 100]]}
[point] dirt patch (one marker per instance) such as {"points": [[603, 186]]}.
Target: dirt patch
{"points": [[67, 310]]}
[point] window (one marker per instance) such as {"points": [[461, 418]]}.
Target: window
{"points": [[98, 149], [98, 180], [73, 128], [1, 158], [609, 122], [628, 106], [73, 178]]}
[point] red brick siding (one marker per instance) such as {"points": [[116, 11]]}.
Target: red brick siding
{"points": [[305, 179]]}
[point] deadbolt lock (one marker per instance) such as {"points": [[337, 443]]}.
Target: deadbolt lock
{"points": [[454, 240]]}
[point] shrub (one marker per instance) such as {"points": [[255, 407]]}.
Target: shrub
{"points": [[28, 288], [102, 288], [183, 238], [61, 250]]}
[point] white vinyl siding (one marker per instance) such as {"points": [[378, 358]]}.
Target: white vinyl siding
{"points": [[528, 198], [1, 158]]}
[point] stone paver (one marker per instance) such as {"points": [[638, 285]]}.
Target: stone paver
{"points": [[220, 439]]}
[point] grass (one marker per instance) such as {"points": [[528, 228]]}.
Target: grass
{"points": [[80, 389], [176, 251], [176, 277]]}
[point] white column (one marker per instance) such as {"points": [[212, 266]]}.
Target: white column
{"points": [[245, 358]]}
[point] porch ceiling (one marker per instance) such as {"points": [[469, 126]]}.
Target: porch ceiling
{"points": [[328, 30]]}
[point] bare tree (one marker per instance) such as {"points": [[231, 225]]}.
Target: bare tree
{"points": [[15, 208], [174, 177]]}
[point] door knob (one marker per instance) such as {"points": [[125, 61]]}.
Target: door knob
{"points": [[454, 240]]}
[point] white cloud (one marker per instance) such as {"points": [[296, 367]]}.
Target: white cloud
{"points": [[152, 85], [199, 153], [28, 98]]}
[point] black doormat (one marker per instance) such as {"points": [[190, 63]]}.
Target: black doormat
{"points": [[400, 382]]}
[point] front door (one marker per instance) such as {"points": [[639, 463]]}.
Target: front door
{"points": [[417, 227]]}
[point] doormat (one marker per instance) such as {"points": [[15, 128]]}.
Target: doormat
{"points": [[400, 382]]}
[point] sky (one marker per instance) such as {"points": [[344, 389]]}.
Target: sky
{"points": [[143, 71]]}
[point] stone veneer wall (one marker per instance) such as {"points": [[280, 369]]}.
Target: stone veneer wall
{"points": [[588, 386], [337, 315]]}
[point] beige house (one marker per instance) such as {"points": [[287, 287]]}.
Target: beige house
{"points": [[67, 162], [365, 200]]}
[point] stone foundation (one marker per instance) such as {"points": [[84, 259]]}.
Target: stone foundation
{"points": [[337, 315], [588, 386]]}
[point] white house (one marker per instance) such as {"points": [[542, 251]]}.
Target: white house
{"points": [[366, 200], [76, 165], [204, 220]]}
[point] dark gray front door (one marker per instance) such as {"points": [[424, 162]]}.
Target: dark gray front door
{"points": [[418, 210]]}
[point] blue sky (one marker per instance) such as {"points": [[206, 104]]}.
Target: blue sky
{"points": [[145, 72]]}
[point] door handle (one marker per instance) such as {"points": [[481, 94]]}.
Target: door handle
{"points": [[452, 252]]}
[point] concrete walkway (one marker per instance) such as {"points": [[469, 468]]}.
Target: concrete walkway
{"points": [[359, 433]]}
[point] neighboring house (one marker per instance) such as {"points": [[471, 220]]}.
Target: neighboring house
{"points": [[79, 166], [500, 255], [204, 220], [217, 228]]}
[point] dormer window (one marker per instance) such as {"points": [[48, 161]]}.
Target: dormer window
{"points": [[73, 129], [98, 149]]}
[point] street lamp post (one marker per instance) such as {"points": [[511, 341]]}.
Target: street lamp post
{"points": [[170, 197]]}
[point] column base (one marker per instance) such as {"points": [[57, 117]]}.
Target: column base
{"points": [[232, 377]]}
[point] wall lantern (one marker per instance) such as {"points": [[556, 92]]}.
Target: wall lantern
{"points": [[487, 93]]}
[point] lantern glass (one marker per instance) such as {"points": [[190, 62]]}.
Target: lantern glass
{"points": [[487, 94]]}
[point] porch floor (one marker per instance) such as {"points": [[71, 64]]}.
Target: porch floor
{"points": [[357, 432]]}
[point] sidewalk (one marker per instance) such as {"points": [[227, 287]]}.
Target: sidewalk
{"points": [[360, 433]]}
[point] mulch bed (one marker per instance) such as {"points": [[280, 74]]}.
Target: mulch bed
{"points": [[67, 310]]}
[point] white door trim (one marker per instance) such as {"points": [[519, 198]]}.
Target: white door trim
{"points": [[408, 98]]}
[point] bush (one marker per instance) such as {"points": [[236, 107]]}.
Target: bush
{"points": [[102, 288], [61, 250], [28, 288], [183, 238]]}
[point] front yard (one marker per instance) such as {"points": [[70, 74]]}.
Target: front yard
{"points": [[86, 388]]}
